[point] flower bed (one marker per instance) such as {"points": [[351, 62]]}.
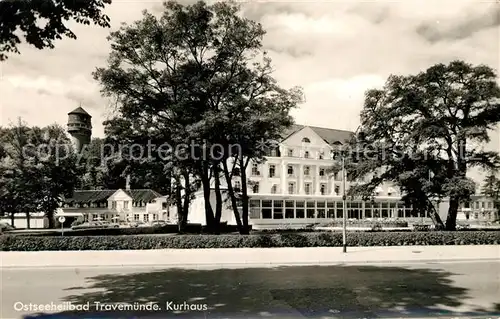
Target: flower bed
{"points": [[316, 239]]}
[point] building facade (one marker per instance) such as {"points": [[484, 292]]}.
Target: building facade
{"points": [[480, 208], [295, 185], [128, 205]]}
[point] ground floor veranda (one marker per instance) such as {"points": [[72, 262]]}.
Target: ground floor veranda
{"points": [[295, 207]]}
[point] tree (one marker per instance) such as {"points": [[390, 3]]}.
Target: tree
{"points": [[189, 78], [58, 169], [38, 169], [43, 21], [432, 123]]}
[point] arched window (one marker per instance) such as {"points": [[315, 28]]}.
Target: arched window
{"points": [[306, 140]]}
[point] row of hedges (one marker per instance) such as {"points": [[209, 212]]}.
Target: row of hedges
{"points": [[323, 239], [367, 223], [167, 229]]}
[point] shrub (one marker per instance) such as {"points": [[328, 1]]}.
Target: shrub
{"points": [[317, 239], [369, 223], [166, 229]]}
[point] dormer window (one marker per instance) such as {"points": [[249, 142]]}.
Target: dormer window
{"points": [[306, 140], [290, 153], [306, 154]]}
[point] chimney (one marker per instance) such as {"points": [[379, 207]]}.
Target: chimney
{"points": [[127, 182]]}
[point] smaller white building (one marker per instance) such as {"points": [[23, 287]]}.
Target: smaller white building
{"points": [[144, 205]]}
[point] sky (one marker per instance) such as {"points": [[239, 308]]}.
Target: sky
{"points": [[334, 50]]}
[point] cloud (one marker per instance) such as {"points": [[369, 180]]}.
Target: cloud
{"points": [[335, 50]]}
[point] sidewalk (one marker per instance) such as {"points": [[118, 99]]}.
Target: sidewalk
{"points": [[249, 257]]}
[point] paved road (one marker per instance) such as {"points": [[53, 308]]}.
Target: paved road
{"points": [[398, 290]]}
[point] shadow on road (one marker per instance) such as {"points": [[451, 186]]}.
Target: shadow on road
{"points": [[286, 292]]}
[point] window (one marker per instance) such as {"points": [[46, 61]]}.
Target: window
{"points": [[323, 189], [113, 205], [155, 216], [237, 185], [125, 205], [321, 155], [278, 209], [337, 189], [289, 209], [164, 205], [255, 169], [306, 140], [321, 172], [320, 209], [331, 209], [311, 210], [146, 218], [272, 170], [340, 209], [290, 153], [307, 170], [291, 188], [267, 209], [299, 211], [236, 171], [306, 154], [136, 217], [256, 188], [254, 209], [490, 205], [307, 188], [482, 204], [290, 170], [274, 189], [477, 205], [95, 217]]}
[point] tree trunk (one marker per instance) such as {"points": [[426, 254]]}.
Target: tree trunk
{"points": [[434, 214], [209, 213], [244, 197], [178, 203], [218, 200], [28, 221], [50, 219], [232, 196], [187, 195], [451, 219], [12, 218]]}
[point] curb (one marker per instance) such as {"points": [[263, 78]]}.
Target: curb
{"points": [[259, 264]]}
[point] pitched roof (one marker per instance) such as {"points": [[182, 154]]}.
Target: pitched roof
{"points": [[99, 196], [79, 110], [328, 134]]}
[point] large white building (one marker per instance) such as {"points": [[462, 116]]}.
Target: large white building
{"points": [[295, 186]]}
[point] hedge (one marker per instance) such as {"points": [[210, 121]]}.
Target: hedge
{"points": [[323, 239], [167, 229], [368, 223]]}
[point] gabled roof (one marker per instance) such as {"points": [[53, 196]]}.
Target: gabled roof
{"points": [[99, 196], [79, 110], [330, 136]]}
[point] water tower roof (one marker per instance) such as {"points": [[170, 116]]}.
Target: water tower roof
{"points": [[79, 110]]}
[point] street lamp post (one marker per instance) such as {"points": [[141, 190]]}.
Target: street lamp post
{"points": [[344, 211]]}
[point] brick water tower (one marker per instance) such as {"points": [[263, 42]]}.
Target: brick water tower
{"points": [[79, 127]]}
